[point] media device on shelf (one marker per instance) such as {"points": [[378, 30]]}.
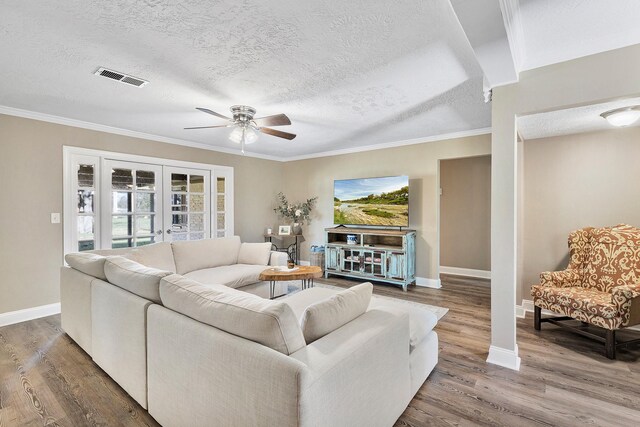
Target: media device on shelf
{"points": [[382, 201]]}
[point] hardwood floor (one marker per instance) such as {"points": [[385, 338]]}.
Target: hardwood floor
{"points": [[565, 379]]}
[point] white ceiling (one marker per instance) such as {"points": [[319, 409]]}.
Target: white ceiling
{"points": [[560, 30], [349, 74], [570, 121]]}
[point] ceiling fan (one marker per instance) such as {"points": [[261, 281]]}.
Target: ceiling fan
{"points": [[246, 127]]}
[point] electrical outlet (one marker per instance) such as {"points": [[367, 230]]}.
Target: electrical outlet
{"points": [[55, 218]]}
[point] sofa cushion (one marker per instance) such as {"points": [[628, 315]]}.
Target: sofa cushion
{"points": [[234, 276], [587, 300], [327, 315], [270, 323], [87, 263], [254, 253], [421, 321], [134, 277], [198, 254], [158, 255]]}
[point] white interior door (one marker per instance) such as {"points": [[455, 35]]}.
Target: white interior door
{"points": [[132, 201], [187, 212]]}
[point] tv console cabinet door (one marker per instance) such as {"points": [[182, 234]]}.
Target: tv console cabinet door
{"points": [[396, 265], [332, 258]]}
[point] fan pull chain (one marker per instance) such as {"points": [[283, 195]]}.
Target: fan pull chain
{"points": [[242, 141]]}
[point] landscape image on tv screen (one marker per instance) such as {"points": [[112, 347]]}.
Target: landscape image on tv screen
{"points": [[372, 201]]}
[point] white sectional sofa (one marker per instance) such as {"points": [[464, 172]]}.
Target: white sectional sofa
{"points": [[171, 324]]}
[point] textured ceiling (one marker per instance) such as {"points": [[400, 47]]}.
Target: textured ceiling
{"points": [[347, 73], [573, 120], [560, 30]]}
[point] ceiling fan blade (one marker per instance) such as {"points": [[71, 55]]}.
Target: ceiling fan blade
{"points": [[210, 127], [276, 120], [213, 113], [277, 133]]}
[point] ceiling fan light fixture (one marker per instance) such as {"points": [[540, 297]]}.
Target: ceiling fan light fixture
{"points": [[243, 132], [625, 116]]}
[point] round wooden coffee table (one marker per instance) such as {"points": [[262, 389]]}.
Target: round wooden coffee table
{"points": [[305, 273]]}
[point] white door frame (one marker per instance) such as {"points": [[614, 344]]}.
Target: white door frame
{"points": [[73, 155]]}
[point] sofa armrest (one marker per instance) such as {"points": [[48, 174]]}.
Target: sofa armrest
{"points": [[278, 258], [358, 374], [561, 279], [622, 296]]}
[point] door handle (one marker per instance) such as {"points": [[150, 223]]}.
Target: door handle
{"points": [[159, 232], [168, 231]]}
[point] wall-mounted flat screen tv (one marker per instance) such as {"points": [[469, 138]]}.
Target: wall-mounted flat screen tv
{"points": [[380, 201]]}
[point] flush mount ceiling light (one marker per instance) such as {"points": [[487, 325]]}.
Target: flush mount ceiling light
{"points": [[622, 116]]}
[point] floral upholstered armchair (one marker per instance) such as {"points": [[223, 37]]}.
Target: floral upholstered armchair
{"points": [[601, 285]]}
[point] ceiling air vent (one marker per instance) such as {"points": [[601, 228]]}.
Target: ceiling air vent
{"points": [[121, 77]]}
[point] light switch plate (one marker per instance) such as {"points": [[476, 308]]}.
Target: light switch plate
{"points": [[55, 218]]}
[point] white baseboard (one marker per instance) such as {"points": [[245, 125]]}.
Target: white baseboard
{"points": [[527, 307], [467, 272], [301, 262], [428, 283], [19, 316], [504, 357]]}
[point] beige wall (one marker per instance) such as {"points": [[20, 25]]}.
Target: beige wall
{"points": [[595, 78], [31, 248], [574, 181], [314, 177], [465, 213]]}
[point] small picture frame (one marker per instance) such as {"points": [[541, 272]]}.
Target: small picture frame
{"points": [[284, 230]]}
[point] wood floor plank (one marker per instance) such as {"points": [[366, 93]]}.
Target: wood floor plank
{"points": [[564, 380]]}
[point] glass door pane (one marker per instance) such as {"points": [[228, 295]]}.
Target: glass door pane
{"points": [[133, 196], [222, 206], [187, 215], [86, 214]]}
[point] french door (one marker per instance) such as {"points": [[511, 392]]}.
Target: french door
{"points": [[132, 204], [117, 200], [187, 210]]}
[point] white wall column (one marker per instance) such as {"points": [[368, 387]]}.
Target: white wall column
{"points": [[504, 184]]}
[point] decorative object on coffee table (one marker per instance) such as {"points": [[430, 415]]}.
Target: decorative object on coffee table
{"points": [[305, 273]]}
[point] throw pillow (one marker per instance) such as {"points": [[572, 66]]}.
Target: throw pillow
{"points": [[254, 253], [326, 316]]}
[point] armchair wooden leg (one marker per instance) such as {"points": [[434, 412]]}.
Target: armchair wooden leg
{"points": [[610, 344], [537, 315]]}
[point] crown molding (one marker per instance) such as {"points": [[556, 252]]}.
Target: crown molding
{"points": [[10, 111], [394, 144], [135, 134], [515, 33]]}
